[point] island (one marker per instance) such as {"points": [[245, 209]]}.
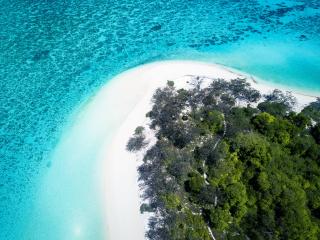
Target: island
{"points": [[220, 159]]}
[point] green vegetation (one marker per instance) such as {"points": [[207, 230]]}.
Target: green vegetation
{"points": [[137, 141], [224, 169]]}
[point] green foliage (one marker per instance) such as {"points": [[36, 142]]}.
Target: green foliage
{"points": [[214, 121], [276, 129], [263, 181], [274, 108], [195, 182], [145, 208], [313, 110], [220, 219], [189, 226], [172, 201], [259, 180], [253, 149], [278, 96], [263, 120], [239, 120], [170, 83], [227, 171], [209, 122], [137, 142], [139, 130], [315, 132], [236, 196], [299, 120]]}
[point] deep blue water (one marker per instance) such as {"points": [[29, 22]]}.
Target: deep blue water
{"points": [[56, 54]]}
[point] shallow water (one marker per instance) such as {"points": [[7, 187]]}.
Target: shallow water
{"points": [[54, 55]]}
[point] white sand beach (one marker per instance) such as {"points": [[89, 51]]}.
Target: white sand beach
{"points": [[124, 102]]}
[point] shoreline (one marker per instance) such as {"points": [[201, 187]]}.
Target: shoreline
{"points": [[130, 93], [261, 81]]}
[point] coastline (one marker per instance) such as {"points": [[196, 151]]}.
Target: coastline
{"points": [[130, 94]]}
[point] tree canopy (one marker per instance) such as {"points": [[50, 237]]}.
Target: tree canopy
{"points": [[231, 171]]}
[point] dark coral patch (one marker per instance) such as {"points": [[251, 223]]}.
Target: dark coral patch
{"points": [[41, 55], [156, 28]]}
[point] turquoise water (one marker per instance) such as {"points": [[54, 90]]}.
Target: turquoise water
{"points": [[54, 55]]}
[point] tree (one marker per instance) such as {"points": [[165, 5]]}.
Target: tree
{"points": [[220, 219], [281, 97], [170, 83], [315, 132], [195, 183], [190, 226], [253, 149], [172, 201], [263, 181], [242, 91], [279, 109], [300, 120], [313, 110], [214, 120], [137, 142], [145, 208], [260, 180], [239, 120], [262, 121]]}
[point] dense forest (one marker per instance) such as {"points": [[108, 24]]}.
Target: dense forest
{"points": [[230, 163]]}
